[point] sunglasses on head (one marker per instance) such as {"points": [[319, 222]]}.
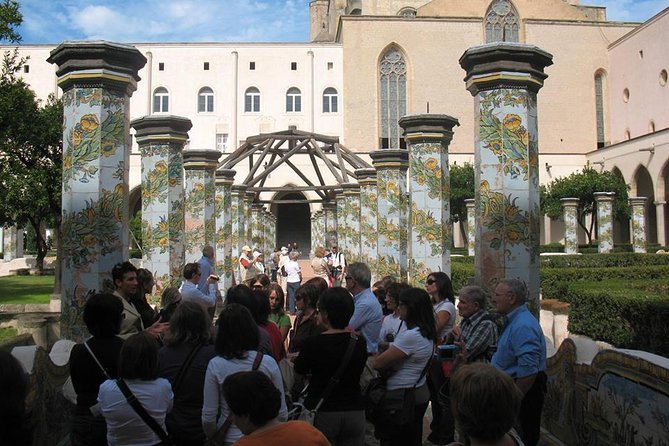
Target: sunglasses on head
{"points": [[430, 281]]}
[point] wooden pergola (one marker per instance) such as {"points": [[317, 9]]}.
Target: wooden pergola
{"points": [[268, 151]]}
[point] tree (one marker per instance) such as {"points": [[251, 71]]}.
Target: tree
{"points": [[462, 188], [31, 153], [10, 18], [583, 185]]}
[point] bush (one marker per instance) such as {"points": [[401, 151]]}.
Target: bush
{"points": [[461, 272], [604, 260]]}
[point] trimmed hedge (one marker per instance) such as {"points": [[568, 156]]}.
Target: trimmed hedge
{"points": [[604, 260]]}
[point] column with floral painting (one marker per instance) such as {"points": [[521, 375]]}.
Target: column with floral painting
{"points": [[200, 209], [97, 79], [352, 206], [161, 140], [504, 79], [223, 208], [12, 243], [638, 223], [249, 200], [430, 230], [392, 223], [470, 204], [570, 209], [330, 211], [238, 227], [604, 203], [368, 209]]}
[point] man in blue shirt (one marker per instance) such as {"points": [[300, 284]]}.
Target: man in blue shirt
{"points": [[367, 316], [521, 353], [207, 268]]}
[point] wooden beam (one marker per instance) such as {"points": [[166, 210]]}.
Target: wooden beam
{"points": [[327, 161], [257, 164], [271, 168], [304, 178], [288, 201], [291, 188]]}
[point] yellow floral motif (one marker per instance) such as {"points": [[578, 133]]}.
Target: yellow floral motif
{"points": [[431, 163], [512, 122], [496, 146], [392, 188], [89, 122], [163, 242], [77, 137], [88, 240]]}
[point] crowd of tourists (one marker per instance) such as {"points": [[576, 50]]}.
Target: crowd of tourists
{"points": [[318, 362]]}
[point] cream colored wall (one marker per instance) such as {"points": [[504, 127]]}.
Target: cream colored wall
{"points": [[648, 99], [389, 7], [528, 9]]}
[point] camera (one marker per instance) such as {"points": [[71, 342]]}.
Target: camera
{"points": [[216, 278], [448, 352], [389, 337]]}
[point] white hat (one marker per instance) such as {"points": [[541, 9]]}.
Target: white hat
{"points": [[246, 248], [256, 254], [284, 249]]}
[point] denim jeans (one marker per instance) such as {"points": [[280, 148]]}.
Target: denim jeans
{"points": [[292, 287]]}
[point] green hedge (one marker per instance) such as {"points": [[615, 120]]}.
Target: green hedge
{"points": [[604, 260]]}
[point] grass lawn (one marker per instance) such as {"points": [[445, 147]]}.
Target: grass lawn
{"points": [[26, 289], [6, 333]]}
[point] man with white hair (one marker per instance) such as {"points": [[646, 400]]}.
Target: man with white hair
{"points": [[244, 263]]}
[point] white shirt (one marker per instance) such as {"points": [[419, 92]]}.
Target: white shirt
{"points": [[293, 270], [124, 426], [418, 350], [391, 324], [220, 368], [189, 291], [338, 260], [445, 305]]}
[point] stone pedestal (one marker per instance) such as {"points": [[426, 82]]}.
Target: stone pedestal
{"points": [[570, 208], [504, 79], [638, 223], [392, 223], [161, 140], [12, 243], [223, 208], [430, 229], [97, 79], [604, 201], [352, 207], [471, 226], [200, 189], [330, 211], [368, 214], [661, 216], [239, 225]]}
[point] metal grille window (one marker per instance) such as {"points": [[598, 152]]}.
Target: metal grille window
{"points": [[205, 100], [294, 100], [392, 96], [501, 22], [330, 100], [161, 100], [252, 100]]}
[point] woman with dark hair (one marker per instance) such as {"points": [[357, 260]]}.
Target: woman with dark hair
{"points": [[243, 295], [262, 319], [320, 284], [145, 284], [102, 315], [183, 361], [169, 302], [406, 361], [236, 350], [306, 325], [392, 324], [439, 287], [260, 282], [138, 368], [15, 429], [341, 417], [277, 312]]}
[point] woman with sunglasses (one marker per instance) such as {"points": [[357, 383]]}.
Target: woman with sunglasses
{"points": [[405, 362], [440, 288]]}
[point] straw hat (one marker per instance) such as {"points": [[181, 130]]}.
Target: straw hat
{"points": [[246, 248]]}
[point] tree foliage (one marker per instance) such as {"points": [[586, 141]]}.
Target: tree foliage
{"points": [[583, 185], [10, 18], [462, 188]]}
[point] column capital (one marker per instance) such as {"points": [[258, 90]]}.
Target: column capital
{"points": [[604, 196], [201, 159], [366, 174], [350, 188], [225, 176], [470, 203], [637, 201], [387, 158], [428, 127], [329, 205], [161, 128], [569, 202], [505, 65], [239, 189], [97, 63], [659, 203]]}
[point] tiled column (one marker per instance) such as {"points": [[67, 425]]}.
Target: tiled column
{"points": [[604, 201], [238, 226], [224, 260], [256, 225], [430, 229], [97, 79], [272, 232], [368, 212], [391, 167], [661, 231], [248, 216], [314, 230], [471, 226], [638, 229], [200, 189], [161, 140], [330, 210], [352, 206], [12, 243], [342, 222], [570, 208], [504, 79]]}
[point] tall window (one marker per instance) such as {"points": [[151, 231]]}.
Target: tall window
{"points": [[293, 100], [205, 100], [392, 97], [252, 100], [161, 100], [330, 100], [599, 109], [501, 22], [222, 142]]}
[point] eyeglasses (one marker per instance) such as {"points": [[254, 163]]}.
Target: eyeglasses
{"points": [[430, 282]]}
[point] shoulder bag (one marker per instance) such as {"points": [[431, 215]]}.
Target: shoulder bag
{"points": [[143, 414]]}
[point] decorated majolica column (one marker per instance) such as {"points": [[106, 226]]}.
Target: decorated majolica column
{"points": [[330, 211], [342, 221], [12, 243], [504, 79], [200, 189], [249, 200], [368, 209], [319, 217], [238, 226], [660, 212], [256, 225], [570, 209], [604, 201], [223, 207], [352, 206], [97, 79], [391, 167], [161, 140], [470, 204], [638, 223], [430, 229]]}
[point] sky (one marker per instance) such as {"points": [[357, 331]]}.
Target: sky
{"points": [[137, 21]]}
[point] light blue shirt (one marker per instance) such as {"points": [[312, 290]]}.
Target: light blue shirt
{"points": [[521, 350], [206, 269], [190, 292], [367, 318]]}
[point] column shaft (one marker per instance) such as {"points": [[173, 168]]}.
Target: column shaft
{"points": [[352, 206], [660, 212], [638, 229], [368, 214], [12, 243], [570, 207], [238, 227], [471, 226], [604, 202], [224, 259]]}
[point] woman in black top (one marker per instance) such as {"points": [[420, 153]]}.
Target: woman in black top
{"points": [[145, 283], [102, 315], [341, 417]]}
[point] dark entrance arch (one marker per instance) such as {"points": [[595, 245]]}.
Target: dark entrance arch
{"points": [[293, 222]]}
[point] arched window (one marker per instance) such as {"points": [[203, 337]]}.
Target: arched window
{"points": [[600, 79], [205, 100], [330, 100], [161, 100], [252, 100], [293, 100], [392, 98], [501, 22], [407, 12]]}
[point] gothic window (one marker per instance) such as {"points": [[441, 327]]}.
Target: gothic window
{"points": [[294, 100], [330, 100], [161, 100], [599, 109], [501, 22], [392, 98], [205, 100]]}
